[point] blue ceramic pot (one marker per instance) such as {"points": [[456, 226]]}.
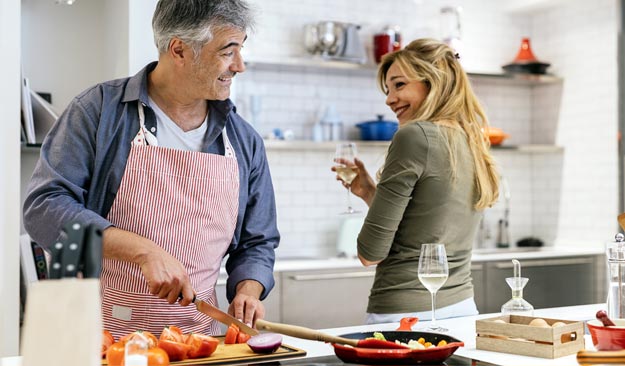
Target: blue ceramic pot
{"points": [[379, 130]]}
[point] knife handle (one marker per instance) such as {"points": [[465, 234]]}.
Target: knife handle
{"points": [[600, 357], [302, 332]]}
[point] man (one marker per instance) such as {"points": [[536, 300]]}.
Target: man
{"points": [[173, 176]]}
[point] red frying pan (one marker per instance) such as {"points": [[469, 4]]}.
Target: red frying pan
{"points": [[372, 356]]}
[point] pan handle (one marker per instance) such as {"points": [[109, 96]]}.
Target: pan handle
{"points": [[302, 332]]}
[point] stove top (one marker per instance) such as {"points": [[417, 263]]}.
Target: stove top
{"points": [[454, 360]]}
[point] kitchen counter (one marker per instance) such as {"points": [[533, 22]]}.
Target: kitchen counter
{"points": [[464, 329], [479, 255]]}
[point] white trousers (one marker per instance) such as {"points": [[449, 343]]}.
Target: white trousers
{"points": [[463, 308]]}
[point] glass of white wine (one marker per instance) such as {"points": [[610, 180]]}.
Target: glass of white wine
{"points": [[346, 169], [433, 272]]}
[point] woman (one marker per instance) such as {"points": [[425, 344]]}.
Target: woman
{"points": [[437, 177]]}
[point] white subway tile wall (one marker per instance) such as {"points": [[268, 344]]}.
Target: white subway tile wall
{"points": [[568, 198]]}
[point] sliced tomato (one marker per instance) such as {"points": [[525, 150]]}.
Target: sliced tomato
{"points": [[149, 337], [243, 337], [157, 357], [201, 345], [177, 351], [232, 334], [115, 354], [172, 333], [107, 341]]}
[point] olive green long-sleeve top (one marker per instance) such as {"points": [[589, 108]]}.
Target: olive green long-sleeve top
{"points": [[418, 201]]}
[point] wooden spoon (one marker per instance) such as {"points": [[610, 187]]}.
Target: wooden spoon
{"points": [[621, 220], [315, 335]]}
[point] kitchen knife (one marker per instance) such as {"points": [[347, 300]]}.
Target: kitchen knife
{"points": [[222, 317]]}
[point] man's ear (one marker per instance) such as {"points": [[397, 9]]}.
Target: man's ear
{"points": [[178, 50]]}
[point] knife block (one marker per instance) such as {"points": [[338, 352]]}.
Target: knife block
{"points": [[62, 323]]}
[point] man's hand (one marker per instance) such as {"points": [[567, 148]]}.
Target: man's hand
{"points": [[246, 305], [166, 276]]}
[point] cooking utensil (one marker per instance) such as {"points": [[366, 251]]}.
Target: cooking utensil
{"points": [[221, 316], [315, 335], [602, 316], [525, 61], [407, 356], [607, 338], [379, 130], [600, 357]]}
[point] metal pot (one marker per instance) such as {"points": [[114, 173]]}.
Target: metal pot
{"points": [[379, 130]]}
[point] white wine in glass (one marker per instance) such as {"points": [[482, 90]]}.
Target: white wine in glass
{"points": [[433, 272], [346, 169]]}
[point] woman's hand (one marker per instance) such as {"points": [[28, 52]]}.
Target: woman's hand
{"points": [[363, 185]]}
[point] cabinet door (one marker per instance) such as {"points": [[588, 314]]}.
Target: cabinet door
{"points": [[552, 282], [326, 299], [477, 274]]}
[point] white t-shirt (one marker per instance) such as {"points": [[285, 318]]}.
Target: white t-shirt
{"points": [[171, 136]]}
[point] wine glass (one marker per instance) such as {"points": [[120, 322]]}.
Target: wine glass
{"points": [[346, 169], [433, 272]]}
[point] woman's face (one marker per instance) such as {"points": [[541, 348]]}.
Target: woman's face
{"points": [[404, 96]]}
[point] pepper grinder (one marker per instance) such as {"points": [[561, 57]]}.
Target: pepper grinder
{"points": [[517, 305], [615, 255]]}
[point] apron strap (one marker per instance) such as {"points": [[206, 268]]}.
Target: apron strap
{"points": [[144, 137]]}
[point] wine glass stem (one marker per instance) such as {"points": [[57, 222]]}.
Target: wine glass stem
{"points": [[349, 199], [433, 308]]}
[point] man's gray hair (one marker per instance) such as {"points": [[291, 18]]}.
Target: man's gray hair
{"points": [[194, 21]]}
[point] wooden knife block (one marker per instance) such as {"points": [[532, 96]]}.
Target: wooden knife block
{"points": [[62, 323]]}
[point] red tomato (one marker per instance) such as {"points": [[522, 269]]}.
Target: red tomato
{"points": [[172, 333], [107, 341], [115, 354], [151, 338], [157, 357], [177, 351], [231, 334], [201, 345], [242, 337]]}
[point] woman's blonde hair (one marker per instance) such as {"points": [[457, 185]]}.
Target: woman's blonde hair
{"points": [[450, 102]]}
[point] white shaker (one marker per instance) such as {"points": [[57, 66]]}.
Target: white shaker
{"points": [[615, 255]]}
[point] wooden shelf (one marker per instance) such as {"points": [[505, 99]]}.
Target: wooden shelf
{"points": [[307, 145], [319, 64]]}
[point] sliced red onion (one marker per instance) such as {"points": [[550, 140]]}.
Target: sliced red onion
{"points": [[265, 342]]}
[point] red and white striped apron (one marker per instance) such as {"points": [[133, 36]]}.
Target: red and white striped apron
{"points": [[187, 203]]}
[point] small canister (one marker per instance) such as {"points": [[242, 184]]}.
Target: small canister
{"points": [[615, 255]]}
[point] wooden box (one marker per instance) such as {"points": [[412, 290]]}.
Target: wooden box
{"points": [[515, 335]]}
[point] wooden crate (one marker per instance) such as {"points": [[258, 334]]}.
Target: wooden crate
{"points": [[516, 336]]}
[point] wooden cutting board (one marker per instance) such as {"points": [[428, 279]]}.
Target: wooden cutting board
{"points": [[239, 353]]}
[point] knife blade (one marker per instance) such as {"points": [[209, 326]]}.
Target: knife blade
{"points": [[222, 317]]}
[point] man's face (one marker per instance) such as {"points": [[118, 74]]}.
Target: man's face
{"points": [[220, 59]]}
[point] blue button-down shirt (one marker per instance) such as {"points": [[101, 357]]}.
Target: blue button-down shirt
{"points": [[84, 156]]}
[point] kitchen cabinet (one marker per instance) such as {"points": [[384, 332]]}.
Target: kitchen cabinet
{"points": [[479, 288], [553, 282], [326, 298]]}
